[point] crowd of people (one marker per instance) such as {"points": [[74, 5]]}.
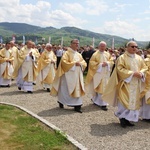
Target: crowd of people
{"points": [[117, 77]]}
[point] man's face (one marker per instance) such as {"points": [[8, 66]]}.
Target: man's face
{"points": [[49, 48], [29, 45], [102, 47], [75, 45], [12, 44], [43, 46], [8, 46], [132, 48]]}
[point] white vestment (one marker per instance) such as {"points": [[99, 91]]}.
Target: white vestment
{"points": [[145, 110], [49, 68], [26, 68], [67, 85], [5, 82], [63, 94], [103, 73], [130, 114]]}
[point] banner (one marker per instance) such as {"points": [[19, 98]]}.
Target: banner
{"points": [[23, 40], [49, 40], [113, 44], [93, 42], [62, 40], [36, 41], [1, 40], [14, 38]]}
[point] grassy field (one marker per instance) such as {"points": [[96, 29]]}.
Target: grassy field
{"points": [[20, 131]]}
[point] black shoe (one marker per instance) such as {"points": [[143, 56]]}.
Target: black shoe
{"points": [[34, 83], [29, 92], [104, 108], [123, 123], [61, 105], [48, 90], [78, 109], [19, 88], [128, 123], [5, 85]]}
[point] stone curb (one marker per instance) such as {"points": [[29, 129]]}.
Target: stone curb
{"points": [[73, 141]]}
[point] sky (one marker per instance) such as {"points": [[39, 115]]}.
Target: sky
{"points": [[124, 18]]}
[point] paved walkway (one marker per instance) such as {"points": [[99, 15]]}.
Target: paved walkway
{"points": [[95, 129]]}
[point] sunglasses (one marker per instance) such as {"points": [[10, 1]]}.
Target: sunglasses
{"points": [[134, 46]]}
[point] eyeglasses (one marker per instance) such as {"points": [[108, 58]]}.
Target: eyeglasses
{"points": [[134, 46]]}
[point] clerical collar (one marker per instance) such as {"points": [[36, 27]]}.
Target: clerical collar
{"points": [[73, 51], [101, 52], [29, 49], [130, 55], [48, 51]]}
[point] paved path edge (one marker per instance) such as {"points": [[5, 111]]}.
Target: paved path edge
{"points": [[73, 141]]}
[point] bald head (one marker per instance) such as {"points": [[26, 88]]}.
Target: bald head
{"points": [[102, 46], [132, 47], [29, 44], [48, 46], [130, 43]]}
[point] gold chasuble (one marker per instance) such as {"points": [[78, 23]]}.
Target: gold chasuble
{"points": [[46, 68], [29, 67], [15, 54], [97, 77], [73, 74], [146, 91], [122, 86], [6, 68]]}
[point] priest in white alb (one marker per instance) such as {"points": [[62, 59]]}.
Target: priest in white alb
{"points": [[26, 69], [145, 94], [69, 83], [14, 50], [98, 75], [47, 67], [6, 66], [126, 84]]}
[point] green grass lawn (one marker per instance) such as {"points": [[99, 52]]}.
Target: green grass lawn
{"points": [[20, 131]]}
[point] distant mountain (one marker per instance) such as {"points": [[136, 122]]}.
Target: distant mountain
{"points": [[68, 33]]}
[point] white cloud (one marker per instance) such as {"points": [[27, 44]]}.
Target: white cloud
{"points": [[72, 7], [80, 14], [146, 12], [123, 29], [122, 6], [119, 7], [43, 5], [9, 3], [147, 18], [60, 18], [39, 14], [119, 27], [90, 7], [16, 12], [96, 7]]}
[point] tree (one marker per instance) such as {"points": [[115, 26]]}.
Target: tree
{"points": [[148, 46]]}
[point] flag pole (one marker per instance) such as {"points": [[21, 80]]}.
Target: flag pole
{"points": [[24, 41], [62, 40], [93, 42], [49, 40], [113, 44]]}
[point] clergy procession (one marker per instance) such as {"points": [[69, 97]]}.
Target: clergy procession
{"points": [[113, 77]]}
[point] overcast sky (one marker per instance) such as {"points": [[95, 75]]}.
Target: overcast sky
{"points": [[125, 18]]}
